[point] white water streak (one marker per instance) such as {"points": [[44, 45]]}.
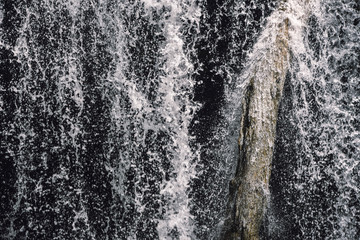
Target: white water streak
{"points": [[177, 109], [335, 129]]}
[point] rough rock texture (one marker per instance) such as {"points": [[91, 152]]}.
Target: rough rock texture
{"points": [[269, 64], [250, 186]]}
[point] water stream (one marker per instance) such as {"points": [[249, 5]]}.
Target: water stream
{"points": [[120, 119]]}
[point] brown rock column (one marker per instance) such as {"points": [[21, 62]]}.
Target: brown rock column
{"points": [[250, 186], [249, 189]]}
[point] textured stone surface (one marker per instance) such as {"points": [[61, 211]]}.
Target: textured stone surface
{"points": [[249, 188], [268, 67]]}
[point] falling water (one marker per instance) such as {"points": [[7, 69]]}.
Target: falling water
{"points": [[318, 149], [120, 118]]}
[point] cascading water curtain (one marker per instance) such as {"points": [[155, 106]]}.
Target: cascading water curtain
{"points": [[316, 175], [96, 105], [120, 119]]}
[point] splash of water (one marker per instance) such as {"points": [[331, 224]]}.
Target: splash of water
{"points": [[119, 119]]}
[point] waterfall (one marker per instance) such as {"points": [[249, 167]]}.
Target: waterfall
{"points": [[317, 152], [120, 119]]}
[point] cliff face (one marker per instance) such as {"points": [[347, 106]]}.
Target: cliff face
{"points": [[250, 186]]}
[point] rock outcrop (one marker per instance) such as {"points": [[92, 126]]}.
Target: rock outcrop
{"points": [[249, 189], [250, 186]]}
